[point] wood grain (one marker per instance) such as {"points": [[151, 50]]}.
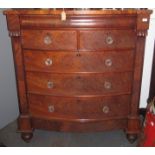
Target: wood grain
{"points": [[78, 21], [79, 84], [96, 40], [60, 39], [79, 107], [73, 62]]}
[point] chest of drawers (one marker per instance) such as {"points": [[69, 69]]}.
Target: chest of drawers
{"points": [[81, 74]]}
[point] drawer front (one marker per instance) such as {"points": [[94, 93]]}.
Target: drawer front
{"points": [[49, 39], [79, 84], [79, 108], [73, 62], [107, 39], [87, 21]]}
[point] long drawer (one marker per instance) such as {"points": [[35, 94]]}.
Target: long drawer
{"points": [[49, 39], [78, 62], [107, 39], [88, 21], [79, 84], [79, 108]]}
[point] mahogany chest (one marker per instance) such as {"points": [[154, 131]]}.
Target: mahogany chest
{"points": [[78, 70]]}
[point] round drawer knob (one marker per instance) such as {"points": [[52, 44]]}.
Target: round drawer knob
{"points": [[47, 40], [109, 40], [49, 84], [48, 62], [107, 85], [105, 109], [51, 108], [108, 62]]}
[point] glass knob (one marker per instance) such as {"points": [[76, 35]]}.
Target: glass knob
{"points": [[108, 62], [105, 109], [51, 108], [109, 40], [47, 40], [49, 84], [107, 85], [48, 62]]}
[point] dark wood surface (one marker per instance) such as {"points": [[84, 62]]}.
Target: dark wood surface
{"points": [[80, 74], [76, 126]]}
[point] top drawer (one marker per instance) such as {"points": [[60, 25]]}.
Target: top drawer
{"points": [[49, 39], [107, 39], [78, 21]]}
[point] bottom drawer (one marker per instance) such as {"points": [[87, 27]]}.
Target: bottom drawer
{"points": [[80, 125], [79, 108]]}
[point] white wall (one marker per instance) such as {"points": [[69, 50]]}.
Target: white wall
{"points": [[148, 62], [8, 96]]}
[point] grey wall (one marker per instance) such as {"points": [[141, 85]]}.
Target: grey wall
{"points": [[8, 96]]}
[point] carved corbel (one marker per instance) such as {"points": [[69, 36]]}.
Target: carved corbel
{"points": [[143, 19], [142, 33], [14, 33]]}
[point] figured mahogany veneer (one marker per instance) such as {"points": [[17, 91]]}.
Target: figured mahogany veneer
{"points": [[98, 39], [81, 74], [74, 21], [73, 62], [84, 108], [78, 84], [60, 40]]}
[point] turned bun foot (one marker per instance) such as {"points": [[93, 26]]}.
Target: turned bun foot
{"points": [[26, 136], [132, 137]]}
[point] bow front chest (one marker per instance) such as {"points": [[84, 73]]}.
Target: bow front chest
{"points": [[78, 70]]}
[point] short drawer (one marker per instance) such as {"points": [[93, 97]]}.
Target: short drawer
{"points": [[107, 39], [49, 39], [79, 108], [78, 62], [79, 84]]}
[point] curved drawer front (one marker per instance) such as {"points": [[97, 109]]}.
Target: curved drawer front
{"points": [[79, 108], [78, 21], [79, 84], [107, 39], [49, 39], [73, 62]]}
